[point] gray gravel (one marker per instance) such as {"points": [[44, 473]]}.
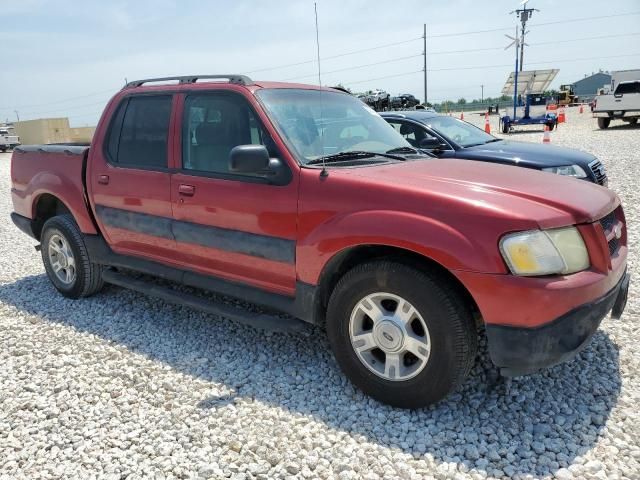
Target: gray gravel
{"points": [[125, 386]]}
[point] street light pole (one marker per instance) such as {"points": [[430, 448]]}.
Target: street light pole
{"points": [[482, 94], [17, 115]]}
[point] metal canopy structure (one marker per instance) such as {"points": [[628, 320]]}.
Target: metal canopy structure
{"points": [[530, 81]]}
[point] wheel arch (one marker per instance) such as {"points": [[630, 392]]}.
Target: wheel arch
{"points": [[45, 206], [350, 257]]}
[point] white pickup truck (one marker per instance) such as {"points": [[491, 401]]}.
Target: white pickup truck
{"points": [[8, 141], [623, 104]]}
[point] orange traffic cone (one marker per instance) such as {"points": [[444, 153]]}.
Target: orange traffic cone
{"points": [[546, 138], [461, 115], [561, 116], [581, 108], [487, 127]]}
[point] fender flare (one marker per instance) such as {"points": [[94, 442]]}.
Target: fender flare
{"points": [[431, 239]]}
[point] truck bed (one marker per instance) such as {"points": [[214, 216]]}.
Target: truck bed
{"points": [[59, 170]]}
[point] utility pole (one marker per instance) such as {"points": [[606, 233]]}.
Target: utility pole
{"points": [[17, 115], [482, 94], [424, 37], [524, 14]]}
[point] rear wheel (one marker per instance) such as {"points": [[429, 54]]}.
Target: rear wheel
{"points": [[403, 336], [633, 121], [506, 126], [66, 259], [603, 122]]}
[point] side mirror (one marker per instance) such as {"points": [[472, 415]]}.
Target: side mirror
{"points": [[249, 159], [430, 143], [255, 159]]}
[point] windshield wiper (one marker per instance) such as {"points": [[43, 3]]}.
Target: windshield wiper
{"points": [[353, 155], [402, 150], [493, 140]]}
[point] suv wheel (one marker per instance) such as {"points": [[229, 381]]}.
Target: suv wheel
{"points": [[603, 122], [403, 336], [66, 259]]}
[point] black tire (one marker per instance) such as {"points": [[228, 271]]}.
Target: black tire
{"points": [[603, 122], [88, 275], [551, 125], [633, 121], [505, 127], [449, 321]]}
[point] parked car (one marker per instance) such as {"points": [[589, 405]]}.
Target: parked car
{"points": [[313, 205], [623, 104], [448, 137], [404, 100], [7, 140]]}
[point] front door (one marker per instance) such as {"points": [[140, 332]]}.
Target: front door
{"points": [[231, 225], [130, 178]]}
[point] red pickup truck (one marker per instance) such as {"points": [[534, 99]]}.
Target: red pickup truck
{"points": [[304, 200]]}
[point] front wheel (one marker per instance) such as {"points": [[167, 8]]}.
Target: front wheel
{"points": [[403, 336], [66, 259]]}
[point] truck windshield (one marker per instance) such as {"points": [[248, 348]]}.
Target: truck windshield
{"points": [[462, 133], [319, 123]]}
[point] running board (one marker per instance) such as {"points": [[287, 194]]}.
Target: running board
{"points": [[256, 320]]}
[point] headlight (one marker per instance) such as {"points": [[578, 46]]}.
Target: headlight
{"points": [[569, 170], [545, 252]]}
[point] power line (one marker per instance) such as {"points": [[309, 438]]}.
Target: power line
{"points": [[383, 78], [566, 60], [278, 67], [358, 66], [586, 38], [473, 32], [583, 19], [65, 109], [60, 101]]}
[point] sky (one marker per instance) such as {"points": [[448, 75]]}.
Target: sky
{"points": [[66, 58]]}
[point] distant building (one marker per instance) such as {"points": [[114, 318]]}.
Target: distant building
{"points": [[588, 87], [51, 130]]}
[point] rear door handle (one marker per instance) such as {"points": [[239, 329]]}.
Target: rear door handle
{"points": [[103, 179], [186, 190]]}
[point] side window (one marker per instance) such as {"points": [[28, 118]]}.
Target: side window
{"points": [[411, 133], [139, 132], [212, 125]]}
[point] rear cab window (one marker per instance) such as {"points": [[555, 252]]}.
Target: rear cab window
{"points": [[138, 135]]}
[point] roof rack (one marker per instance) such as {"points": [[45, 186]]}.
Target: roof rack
{"points": [[233, 78]]}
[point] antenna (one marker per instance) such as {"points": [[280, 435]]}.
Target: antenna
{"points": [[324, 172]]}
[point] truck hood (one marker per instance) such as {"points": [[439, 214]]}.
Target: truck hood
{"points": [[525, 154], [537, 199]]}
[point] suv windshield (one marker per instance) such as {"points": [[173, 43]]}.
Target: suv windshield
{"points": [[462, 133], [319, 123]]}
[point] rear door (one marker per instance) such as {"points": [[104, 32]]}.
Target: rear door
{"points": [[231, 225], [130, 179]]}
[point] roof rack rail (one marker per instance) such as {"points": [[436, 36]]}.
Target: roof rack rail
{"points": [[233, 78]]}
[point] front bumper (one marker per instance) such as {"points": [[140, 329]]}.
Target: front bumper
{"points": [[520, 350]]}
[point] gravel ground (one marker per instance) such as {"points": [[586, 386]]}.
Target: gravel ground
{"points": [[125, 386]]}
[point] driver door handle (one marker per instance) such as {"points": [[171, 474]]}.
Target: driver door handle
{"points": [[186, 190]]}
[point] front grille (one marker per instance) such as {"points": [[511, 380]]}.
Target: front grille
{"points": [[599, 171], [608, 222]]}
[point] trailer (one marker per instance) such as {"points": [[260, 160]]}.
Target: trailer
{"points": [[529, 83], [507, 122]]}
